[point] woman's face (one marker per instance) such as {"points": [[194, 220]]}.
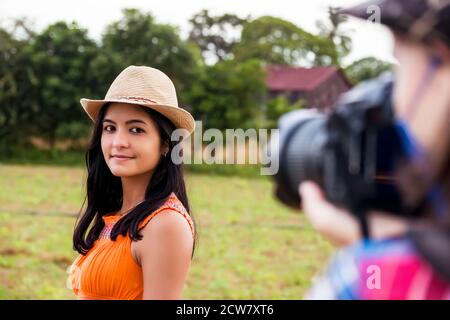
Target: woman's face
{"points": [[128, 131], [429, 122], [411, 66]]}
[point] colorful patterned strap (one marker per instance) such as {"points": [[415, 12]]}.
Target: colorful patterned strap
{"points": [[173, 203]]}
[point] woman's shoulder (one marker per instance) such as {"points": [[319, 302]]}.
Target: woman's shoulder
{"points": [[174, 203], [170, 226], [172, 211]]}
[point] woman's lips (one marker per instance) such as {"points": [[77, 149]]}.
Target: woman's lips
{"points": [[118, 158]]}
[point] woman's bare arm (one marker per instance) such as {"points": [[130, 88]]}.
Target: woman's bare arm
{"points": [[165, 255]]}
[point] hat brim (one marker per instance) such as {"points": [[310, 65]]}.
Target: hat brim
{"points": [[361, 10], [179, 117], [390, 13]]}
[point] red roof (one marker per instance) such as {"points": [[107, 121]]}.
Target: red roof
{"points": [[297, 79]]}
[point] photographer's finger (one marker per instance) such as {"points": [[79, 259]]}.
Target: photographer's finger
{"points": [[310, 192], [336, 224], [313, 200]]}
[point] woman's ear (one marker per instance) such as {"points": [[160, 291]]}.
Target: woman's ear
{"points": [[165, 148], [441, 50]]}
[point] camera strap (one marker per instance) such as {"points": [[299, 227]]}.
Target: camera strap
{"points": [[361, 214], [435, 195], [434, 63]]}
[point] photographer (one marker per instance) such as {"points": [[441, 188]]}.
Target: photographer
{"points": [[402, 256]]}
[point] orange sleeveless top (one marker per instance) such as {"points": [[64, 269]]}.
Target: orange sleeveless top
{"points": [[108, 270]]}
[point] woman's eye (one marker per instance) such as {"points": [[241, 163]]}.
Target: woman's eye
{"points": [[133, 130], [137, 130]]}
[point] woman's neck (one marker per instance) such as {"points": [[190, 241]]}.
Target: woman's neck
{"points": [[133, 190]]}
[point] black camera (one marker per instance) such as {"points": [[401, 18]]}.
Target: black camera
{"points": [[352, 153]]}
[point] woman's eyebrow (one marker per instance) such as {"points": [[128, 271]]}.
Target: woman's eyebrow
{"points": [[128, 122]]}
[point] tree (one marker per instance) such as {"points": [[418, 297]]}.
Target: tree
{"points": [[278, 106], [17, 81], [229, 95], [137, 39], [215, 35], [61, 57], [366, 68], [277, 41], [340, 42]]}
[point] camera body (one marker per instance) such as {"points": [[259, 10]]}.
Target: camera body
{"points": [[352, 153]]}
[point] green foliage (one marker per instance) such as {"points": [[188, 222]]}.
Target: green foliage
{"points": [[229, 94], [279, 106], [277, 41], [74, 130], [138, 40], [61, 55], [17, 87], [339, 41], [366, 68], [242, 170], [11, 154], [215, 35], [272, 40]]}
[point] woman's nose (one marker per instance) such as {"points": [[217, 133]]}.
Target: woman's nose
{"points": [[120, 139]]}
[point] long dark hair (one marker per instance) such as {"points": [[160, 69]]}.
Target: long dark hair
{"points": [[432, 238], [104, 190]]}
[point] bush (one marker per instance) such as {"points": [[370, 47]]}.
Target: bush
{"points": [[34, 156], [249, 171]]}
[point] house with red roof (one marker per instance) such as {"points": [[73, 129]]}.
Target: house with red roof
{"points": [[319, 87]]}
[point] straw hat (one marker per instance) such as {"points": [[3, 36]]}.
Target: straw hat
{"points": [[144, 86]]}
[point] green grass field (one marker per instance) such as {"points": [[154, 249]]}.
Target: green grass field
{"points": [[250, 246]]}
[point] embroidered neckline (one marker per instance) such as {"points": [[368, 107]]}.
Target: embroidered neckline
{"points": [[109, 218]]}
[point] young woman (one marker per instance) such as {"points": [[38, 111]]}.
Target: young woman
{"points": [[136, 237], [406, 258]]}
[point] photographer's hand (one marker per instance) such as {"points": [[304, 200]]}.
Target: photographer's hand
{"points": [[339, 225]]}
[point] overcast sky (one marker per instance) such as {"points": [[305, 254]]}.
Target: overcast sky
{"points": [[368, 39]]}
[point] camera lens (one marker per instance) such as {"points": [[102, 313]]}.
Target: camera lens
{"points": [[304, 154], [300, 153]]}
